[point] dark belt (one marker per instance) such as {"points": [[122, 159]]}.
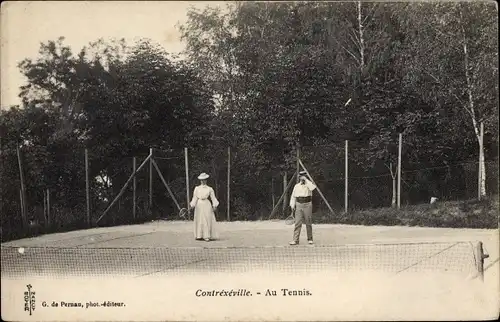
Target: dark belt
{"points": [[304, 199]]}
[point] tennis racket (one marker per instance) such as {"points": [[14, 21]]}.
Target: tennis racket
{"points": [[290, 220], [183, 213]]}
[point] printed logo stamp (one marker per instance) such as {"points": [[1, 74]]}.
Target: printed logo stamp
{"points": [[29, 299]]}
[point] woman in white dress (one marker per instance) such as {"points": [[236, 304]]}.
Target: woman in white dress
{"points": [[204, 203]]}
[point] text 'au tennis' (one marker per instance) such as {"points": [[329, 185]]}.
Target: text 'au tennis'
{"points": [[245, 292]]}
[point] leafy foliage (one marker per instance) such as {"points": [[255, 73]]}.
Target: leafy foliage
{"points": [[262, 78]]}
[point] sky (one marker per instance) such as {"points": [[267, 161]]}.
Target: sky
{"points": [[25, 24]]}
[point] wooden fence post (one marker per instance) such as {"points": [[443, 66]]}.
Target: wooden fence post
{"points": [[45, 220], [399, 168], [228, 183], [481, 164], [22, 207], [124, 187], [186, 166], [134, 197], [282, 195], [285, 184], [346, 194], [298, 163], [23, 190], [151, 182], [272, 190], [48, 208], [317, 188], [162, 178], [87, 186]]}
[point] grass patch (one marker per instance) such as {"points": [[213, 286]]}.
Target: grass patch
{"points": [[482, 214]]}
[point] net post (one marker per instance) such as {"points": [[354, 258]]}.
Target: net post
{"points": [[480, 256]]}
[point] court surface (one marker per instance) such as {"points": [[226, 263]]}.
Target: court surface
{"points": [[162, 246], [357, 269]]}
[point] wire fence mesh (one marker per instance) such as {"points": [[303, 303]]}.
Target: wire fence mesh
{"points": [[259, 183]]}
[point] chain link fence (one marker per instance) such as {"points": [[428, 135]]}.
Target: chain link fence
{"points": [[259, 184]]}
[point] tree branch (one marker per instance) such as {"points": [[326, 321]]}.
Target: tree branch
{"points": [[347, 50], [374, 7], [393, 175]]}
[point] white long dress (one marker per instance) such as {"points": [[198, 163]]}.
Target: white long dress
{"points": [[204, 217]]}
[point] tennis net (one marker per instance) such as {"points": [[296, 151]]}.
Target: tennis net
{"points": [[454, 257]]}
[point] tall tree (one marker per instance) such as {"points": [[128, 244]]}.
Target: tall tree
{"points": [[456, 57]]}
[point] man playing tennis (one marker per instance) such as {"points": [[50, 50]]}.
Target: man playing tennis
{"points": [[301, 202]]}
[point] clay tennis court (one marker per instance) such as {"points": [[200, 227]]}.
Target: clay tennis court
{"points": [[361, 272], [168, 247]]}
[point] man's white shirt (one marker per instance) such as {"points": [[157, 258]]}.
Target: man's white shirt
{"points": [[301, 190]]}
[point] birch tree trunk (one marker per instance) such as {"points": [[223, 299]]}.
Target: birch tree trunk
{"points": [[471, 108], [361, 39], [482, 173]]}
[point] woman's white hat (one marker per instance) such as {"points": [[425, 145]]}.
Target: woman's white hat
{"points": [[203, 176]]}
